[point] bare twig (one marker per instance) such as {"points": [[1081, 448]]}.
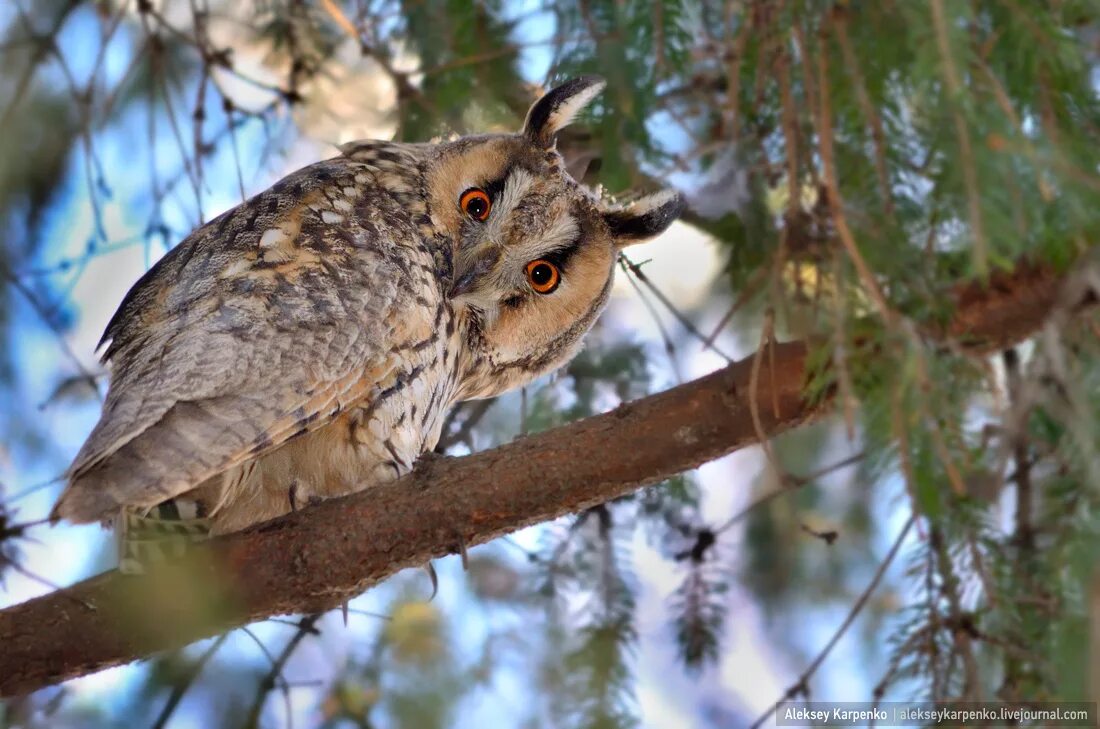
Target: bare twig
{"points": [[767, 332], [801, 686], [962, 131], [836, 202], [473, 413], [670, 348], [59, 335], [791, 483], [638, 273], [274, 677], [180, 688]]}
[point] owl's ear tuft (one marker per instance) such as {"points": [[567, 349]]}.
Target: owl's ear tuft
{"points": [[558, 107], [644, 218]]}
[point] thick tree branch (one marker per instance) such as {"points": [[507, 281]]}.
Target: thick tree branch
{"points": [[317, 558]]}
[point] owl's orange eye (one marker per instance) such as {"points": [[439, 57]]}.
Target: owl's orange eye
{"points": [[543, 276], [475, 203]]}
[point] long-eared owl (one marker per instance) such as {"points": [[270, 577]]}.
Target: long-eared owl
{"points": [[309, 342]]}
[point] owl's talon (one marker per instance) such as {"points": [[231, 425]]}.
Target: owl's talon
{"points": [[434, 578], [461, 547], [426, 462], [427, 459]]}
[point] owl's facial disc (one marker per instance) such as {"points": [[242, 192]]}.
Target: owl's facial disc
{"points": [[533, 251]]}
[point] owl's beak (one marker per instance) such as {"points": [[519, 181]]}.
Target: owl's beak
{"points": [[470, 270], [466, 280]]}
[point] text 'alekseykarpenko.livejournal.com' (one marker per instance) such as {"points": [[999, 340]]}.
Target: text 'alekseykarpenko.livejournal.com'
{"points": [[960, 714]]}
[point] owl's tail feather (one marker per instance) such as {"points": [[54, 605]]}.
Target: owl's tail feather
{"points": [[191, 443], [160, 535], [83, 506], [97, 495]]}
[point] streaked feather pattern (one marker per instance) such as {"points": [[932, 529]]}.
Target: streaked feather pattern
{"points": [[310, 341]]}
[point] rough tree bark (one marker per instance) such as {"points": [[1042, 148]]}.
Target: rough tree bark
{"points": [[319, 557]]}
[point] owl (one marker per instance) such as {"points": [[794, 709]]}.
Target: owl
{"points": [[310, 342]]}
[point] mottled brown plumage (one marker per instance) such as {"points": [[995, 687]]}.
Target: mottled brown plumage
{"points": [[309, 342]]}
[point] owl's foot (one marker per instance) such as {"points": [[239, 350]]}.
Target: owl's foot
{"points": [[430, 569], [161, 534]]}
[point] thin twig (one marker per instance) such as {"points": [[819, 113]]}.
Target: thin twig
{"points": [[791, 483], [59, 335], [867, 107], [956, 620], [272, 677], [637, 271], [22, 494], [801, 686], [752, 287], [766, 335], [836, 202], [474, 411], [962, 131], [670, 348], [180, 688]]}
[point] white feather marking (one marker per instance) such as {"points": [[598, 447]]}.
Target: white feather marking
{"points": [[572, 106], [560, 234], [236, 267], [515, 188], [648, 203], [272, 237]]}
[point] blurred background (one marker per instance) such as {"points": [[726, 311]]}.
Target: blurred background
{"points": [[847, 166]]}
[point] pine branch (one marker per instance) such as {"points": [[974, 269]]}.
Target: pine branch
{"points": [[315, 559]]}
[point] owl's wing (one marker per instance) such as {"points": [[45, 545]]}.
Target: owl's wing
{"points": [[261, 325]]}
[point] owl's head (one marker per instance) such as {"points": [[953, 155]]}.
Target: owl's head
{"points": [[534, 251]]}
